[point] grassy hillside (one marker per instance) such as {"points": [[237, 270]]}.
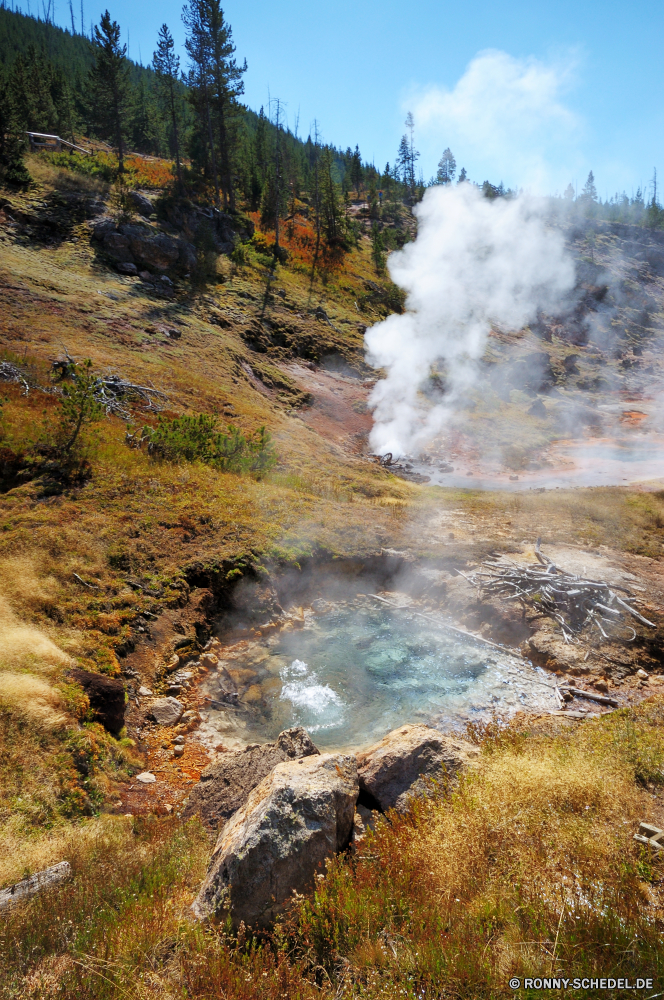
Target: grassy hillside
{"points": [[528, 866]]}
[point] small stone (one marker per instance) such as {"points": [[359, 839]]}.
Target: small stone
{"points": [[145, 276], [144, 692], [190, 716], [126, 268], [146, 778], [178, 750], [173, 663], [642, 674], [179, 739], [166, 280]]}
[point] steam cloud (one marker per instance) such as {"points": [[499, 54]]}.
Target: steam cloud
{"points": [[475, 263]]}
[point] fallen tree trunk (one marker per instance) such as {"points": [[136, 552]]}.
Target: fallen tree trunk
{"points": [[36, 883]]}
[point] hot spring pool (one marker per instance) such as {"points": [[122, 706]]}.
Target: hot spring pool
{"points": [[354, 673]]}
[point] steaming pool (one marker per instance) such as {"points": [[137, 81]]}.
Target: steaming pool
{"points": [[352, 674]]}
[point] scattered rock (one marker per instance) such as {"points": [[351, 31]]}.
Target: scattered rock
{"points": [[391, 771], [225, 784], [106, 696], [299, 815], [166, 711], [144, 692], [126, 268], [146, 778], [538, 409]]}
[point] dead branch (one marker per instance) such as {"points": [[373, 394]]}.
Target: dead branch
{"points": [[112, 390], [574, 603], [10, 372], [36, 883]]}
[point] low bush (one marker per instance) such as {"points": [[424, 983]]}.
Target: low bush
{"points": [[197, 438]]}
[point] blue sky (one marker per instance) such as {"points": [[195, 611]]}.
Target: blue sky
{"points": [[532, 93]]}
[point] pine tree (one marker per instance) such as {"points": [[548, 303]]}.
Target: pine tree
{"points": [[217, 78], [463, 176], [402, 166], [167, 67], [109, 80], [356, 172], [446, 168], [589, 192], [569, 193], [413, 154]]}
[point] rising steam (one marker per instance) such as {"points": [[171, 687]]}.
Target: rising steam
{"points": [[475, 263]]}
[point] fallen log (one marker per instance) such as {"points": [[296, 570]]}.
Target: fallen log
{"points": [[580, 693], [35, 883]]}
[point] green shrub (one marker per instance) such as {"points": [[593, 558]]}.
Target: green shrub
{"points": [[197, 438]]}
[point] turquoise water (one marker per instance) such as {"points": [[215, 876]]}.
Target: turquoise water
{"points": [[352, 674]]}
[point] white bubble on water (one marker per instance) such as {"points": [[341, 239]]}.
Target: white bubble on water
{"points": [[309, 698]]}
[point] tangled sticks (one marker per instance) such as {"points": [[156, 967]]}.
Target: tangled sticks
{"points": [[573, 602]]}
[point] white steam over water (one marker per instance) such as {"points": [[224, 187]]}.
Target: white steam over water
{"points": [[475, 263]]}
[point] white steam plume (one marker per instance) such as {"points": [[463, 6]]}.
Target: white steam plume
{"points": [[474, 263]]}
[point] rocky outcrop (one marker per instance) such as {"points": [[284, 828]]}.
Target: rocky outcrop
{"points": [[293, 820], [194, 221], [166, 711], [106, 696], [140, 244], [393, 771], [225, 784]]}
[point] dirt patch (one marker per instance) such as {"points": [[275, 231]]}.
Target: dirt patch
{"points": [[338, 409]]}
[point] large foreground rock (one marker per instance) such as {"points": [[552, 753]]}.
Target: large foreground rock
{"points": [[299, 815], [394, 770], [225, 784]]}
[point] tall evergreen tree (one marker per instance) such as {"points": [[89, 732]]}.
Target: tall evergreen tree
{"points": [[356, 172], [217, 78], [413, 154], [109, 79], [589, 192], [446, 168], [167, 67]]}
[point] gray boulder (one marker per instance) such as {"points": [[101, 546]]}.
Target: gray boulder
{"points": [[166, 711], [154, 249], [297, 817], [142, 204], [225, 784], [394, 770]]}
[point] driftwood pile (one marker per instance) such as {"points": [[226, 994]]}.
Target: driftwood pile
{"points": [[576, 604]]}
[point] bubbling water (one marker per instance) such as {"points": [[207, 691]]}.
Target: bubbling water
{"points": [[355, 672]]}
